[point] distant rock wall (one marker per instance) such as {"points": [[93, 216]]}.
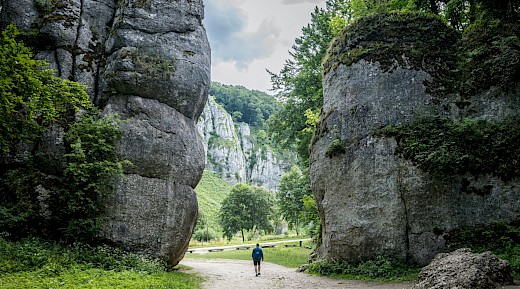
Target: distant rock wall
{"points": [[149, 62], [231, 153], [371, 201]]}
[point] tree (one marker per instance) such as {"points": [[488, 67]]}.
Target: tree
{"points": [[294, 186], [31, 97], [246, 208], [298, 84]]}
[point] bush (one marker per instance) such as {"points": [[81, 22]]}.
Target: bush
{"points": [[205, 235], [35, 263], [501, 239], [378, 269]]}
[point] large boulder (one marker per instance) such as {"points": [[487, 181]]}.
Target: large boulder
{"points": [[148, 62], [390, 70], [463, 269]]}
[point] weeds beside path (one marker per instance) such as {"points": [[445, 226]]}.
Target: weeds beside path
{"points": [[225, 274]]}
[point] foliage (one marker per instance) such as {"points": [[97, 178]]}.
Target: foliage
{"points": [[31, 96], [250, 106], [381, 268], [34, 263], [294, 186], [311, 217], [204, 235], [500, 238], [299, 83], [211, 191], [489, 55], [444, 147], [90, 175], [291, 257], [246, 208], [71, 199]]}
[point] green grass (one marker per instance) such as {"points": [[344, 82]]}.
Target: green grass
{"points": [[211, 191], [238, 241], [34, 263], [291, 257], [98, 278]]}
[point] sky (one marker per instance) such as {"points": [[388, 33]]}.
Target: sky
{"points": [[249, 36]]}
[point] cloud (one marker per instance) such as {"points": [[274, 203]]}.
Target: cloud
{"points": [[300, 1], [230, 42]]}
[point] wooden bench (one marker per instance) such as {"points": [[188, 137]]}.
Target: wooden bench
{"points": [[243, 248], [290, 245], [215, 250], [269, 246]]}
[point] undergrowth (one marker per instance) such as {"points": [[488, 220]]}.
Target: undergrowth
{"points": [[34, 263], [501, 239], [380, 269]]}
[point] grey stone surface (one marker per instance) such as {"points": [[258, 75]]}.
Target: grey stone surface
{"points": [[374, 203], [149, 62], [463, 269]]}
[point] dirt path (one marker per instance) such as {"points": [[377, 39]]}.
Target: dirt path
{"points": [[230, 274]]}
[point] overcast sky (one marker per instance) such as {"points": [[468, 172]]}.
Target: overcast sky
{"points": [[249, 36]]}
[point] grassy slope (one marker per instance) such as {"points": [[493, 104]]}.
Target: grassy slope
{"points": [[211, 190]]}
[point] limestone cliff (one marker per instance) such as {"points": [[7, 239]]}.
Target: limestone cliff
{"points": [[388, 70], [149, 62], [232, 152]]}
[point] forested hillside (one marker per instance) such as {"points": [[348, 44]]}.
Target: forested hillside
{"points": [[245, 105]]}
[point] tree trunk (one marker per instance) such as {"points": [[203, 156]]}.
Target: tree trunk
{"points": [[243, 239]]}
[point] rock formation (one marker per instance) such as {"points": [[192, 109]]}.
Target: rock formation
{"points": [[371, 200], [149, 62], [231, 152], [464, 269]]}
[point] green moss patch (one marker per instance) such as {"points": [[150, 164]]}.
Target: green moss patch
{"points": [[418, 41], [444, 147]]}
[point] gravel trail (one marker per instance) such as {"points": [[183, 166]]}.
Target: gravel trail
{"points": [[231, 274]]}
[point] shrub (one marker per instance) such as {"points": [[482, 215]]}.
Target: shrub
{"points": [[204, 235], [378, 269]]}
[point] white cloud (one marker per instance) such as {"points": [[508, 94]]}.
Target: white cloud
{"points": [[249, 36], [230, 42]]}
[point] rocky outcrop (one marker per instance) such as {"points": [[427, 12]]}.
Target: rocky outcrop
{"points": [[466, 270], [232, 153], [149, 62], [371, 200]]}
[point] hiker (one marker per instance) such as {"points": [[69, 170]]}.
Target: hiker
{"points": [[258, 256]]}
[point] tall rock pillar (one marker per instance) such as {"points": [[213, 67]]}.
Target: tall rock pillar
{"points": [[149, 62]]}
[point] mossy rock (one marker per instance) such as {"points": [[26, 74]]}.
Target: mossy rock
{"points": [[411, 40]]}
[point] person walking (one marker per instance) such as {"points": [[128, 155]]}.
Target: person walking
{"points": [[258, 256]]}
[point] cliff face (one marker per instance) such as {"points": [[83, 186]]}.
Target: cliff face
{"points": [[231, 153], [373, 201], [149, 62]]}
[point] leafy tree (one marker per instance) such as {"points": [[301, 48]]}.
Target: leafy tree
{"points": [[246, 208], [31, 97], [294, 186], [298, 84], [66, 204]]}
